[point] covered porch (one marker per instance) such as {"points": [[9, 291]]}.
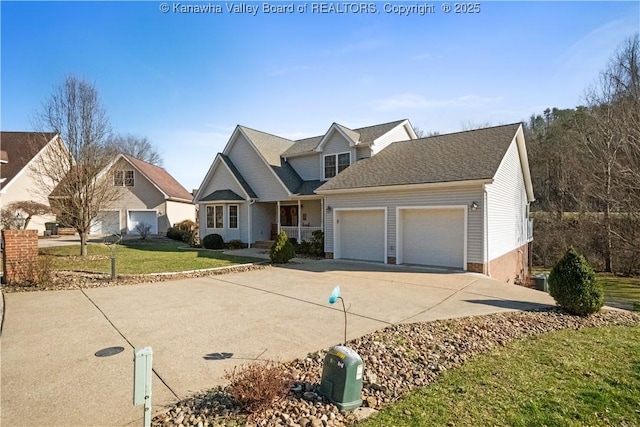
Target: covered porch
{"points": [[299, 218]]}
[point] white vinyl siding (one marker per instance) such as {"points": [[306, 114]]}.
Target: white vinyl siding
{"points": [[255, 171], [222, 179], [451, 196], [432, 237], [360, 235], [507, 204], [308, 167], [399, 133]]}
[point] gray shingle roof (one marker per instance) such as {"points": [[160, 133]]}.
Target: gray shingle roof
{"points": [[19, 148], [288, 176], [245, 185], [365, 135], [270, 146], [221, 195], [462, 156], [308, 188]]}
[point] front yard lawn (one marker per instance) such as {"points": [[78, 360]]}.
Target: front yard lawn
{"points": [[588, 377], [616, 288], [140, 257]]}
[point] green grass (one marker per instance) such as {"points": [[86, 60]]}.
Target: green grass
{"points": [[616, 288], [621, 289], [589, 377], [140, 257]]}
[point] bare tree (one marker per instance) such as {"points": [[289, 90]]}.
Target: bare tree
{"points": [[611, 141], [71, 171], [139, 147], [422, 134], [470, 125], [27, 208]]}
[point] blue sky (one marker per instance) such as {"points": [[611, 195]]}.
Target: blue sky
{"points": [[185, 80]]}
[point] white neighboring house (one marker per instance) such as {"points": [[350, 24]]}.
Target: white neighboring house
{"points": [[151, 196], [21, 152], [458, 201]]}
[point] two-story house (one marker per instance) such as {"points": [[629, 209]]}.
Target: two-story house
{"points": [[458, 201]]}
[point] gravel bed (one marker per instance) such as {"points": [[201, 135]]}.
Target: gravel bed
{"points": [[396, 360], [68, 280]]}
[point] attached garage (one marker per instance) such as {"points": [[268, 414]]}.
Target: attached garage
{"points": [[142, 217], [432, 237], [106, 222], [360, 234]]}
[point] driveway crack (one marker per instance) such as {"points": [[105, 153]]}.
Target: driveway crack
{"points": [[441, 302], [127, 340]]}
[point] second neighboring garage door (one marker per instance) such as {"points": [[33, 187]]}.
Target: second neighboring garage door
{"points": [[142, 217], [432, 237], [361, 234]]}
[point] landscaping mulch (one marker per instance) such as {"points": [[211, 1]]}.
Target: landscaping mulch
{"points": [[397, 359]]}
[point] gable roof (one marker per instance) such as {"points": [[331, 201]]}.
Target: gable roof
{"points": [[461, 156], [364, 135], [271, 147], [159, 177], [236, 173], [20, 148]]}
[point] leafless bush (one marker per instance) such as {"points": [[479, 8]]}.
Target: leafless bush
{"points": [[256, 386], [37, 273], [143, 229]]}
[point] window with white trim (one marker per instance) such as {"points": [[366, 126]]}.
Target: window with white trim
{"points": [[215, 216], [336, 163], [123, 178], [233, 216]]}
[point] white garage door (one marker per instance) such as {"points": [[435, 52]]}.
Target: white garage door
{"points": [[106, 222], [433, 237], [142, 217], [361, 235]]}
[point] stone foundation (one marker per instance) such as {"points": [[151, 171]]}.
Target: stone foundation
{"points": [[328, 255]]}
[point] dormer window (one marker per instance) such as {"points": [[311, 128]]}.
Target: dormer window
{"points": [[336, 163]]}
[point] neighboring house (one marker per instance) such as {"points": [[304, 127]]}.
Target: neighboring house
{"points": [[19, 157], [150, 196], [458, 201]]}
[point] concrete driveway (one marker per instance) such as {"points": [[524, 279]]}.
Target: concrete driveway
{"points": [[199, 328]]}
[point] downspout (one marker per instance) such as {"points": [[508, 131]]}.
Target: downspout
{"points": [[486, 229]]}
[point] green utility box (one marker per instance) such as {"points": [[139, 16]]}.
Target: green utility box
{"points": [[342, 378]]}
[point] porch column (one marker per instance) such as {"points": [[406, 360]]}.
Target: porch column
{"points": [[322, 214], [299, 228], [249, 223], [278, 215]]}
